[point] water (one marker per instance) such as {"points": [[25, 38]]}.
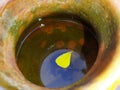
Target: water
{"points": [[54, 76], [48, 38]]}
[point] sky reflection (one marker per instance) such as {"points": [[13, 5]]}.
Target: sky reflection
{"points": [[54, 76]]}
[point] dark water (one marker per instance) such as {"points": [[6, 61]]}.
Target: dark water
{"points": [[41, 43]]}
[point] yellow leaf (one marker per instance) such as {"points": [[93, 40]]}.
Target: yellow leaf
{"points": [[64, 60]]}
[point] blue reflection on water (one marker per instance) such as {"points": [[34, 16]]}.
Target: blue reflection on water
{"points": [[118, 88], [2, 88], [54, 76]]}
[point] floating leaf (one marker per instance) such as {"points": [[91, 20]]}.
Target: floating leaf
{"points": [[64, 60]]}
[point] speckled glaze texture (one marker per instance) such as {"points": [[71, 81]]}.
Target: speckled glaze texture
{"points": [[103, 15]]}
